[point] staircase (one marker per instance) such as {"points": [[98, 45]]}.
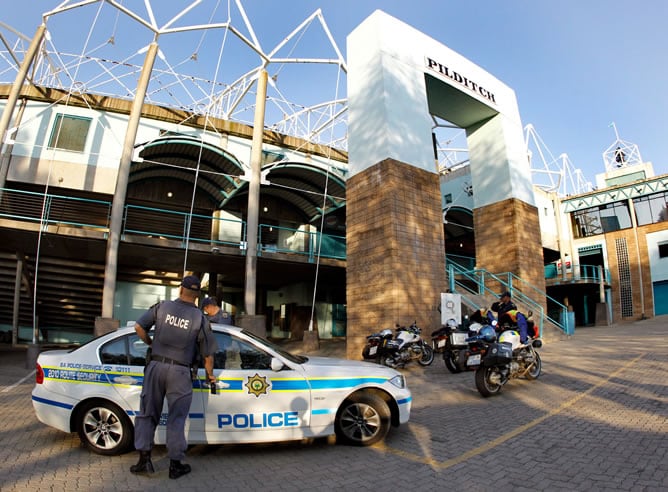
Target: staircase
{"points": [[480, 288]]}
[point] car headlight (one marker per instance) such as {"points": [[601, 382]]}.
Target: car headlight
{"points": [[399, 381]]}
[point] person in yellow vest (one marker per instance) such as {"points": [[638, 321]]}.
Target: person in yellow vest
{"points": [[507, 312], [515, 318]]}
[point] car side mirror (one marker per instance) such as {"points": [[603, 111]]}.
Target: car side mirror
{"points": [[276, 364]]}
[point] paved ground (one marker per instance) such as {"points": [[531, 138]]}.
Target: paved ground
{"points": [[596, 420]]}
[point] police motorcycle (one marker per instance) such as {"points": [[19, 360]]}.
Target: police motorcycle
{"points": [[451, 341], [460, 348], [505, 358], [407, 345], [376, 345]]}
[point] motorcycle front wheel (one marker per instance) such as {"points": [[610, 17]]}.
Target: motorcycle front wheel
{"points": [[452, 362], [534, 370], [483, 381], [427, 355]]}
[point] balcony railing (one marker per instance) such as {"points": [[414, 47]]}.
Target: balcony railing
{"points": [[181, 226], [579, 273], [304, 241], [50, 209]]}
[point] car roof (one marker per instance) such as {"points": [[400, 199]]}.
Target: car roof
{"points": [[129, 327], [229, 328]]}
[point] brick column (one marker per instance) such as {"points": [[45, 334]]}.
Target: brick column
{"points": [[395, 252], [507, 239]]}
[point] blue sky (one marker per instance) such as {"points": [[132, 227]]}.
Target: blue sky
{"points": [[575, 65]]}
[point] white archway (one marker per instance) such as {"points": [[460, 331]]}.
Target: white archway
{"points": [[397, 79]]}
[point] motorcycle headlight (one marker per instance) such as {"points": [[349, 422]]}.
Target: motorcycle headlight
{"points": [[399, 381]]}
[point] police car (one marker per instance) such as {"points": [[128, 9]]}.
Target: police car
{"points": [[263, 394]]}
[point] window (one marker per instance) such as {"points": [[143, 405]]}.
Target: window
{"points": [[130, 350], [625, 178], [599, 220], [663, 250], [651, 209], [115, 352], [238, 354], [69, 133], [618, 214]]}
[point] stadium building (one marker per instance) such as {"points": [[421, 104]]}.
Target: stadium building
{"points": [[330, 220]]}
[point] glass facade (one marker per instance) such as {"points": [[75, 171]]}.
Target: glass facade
{"points": [[601, 219], [610, 217], [651, 209]]}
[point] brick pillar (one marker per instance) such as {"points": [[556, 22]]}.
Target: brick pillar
{"points": [[395, 270], [507, 239]]}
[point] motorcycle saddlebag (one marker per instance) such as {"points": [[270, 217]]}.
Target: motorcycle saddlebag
{"points": [[498, 354], [458, 338]]}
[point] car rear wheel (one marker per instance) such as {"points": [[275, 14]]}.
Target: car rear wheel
{"points": [[104, 428], [362, 420]]}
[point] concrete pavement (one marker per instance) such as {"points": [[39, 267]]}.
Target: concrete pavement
{"points": [[596, 419]]}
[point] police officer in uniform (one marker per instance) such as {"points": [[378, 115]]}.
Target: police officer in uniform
{"points": [[180, 328], [507, 312], [214, 313], [503, 305]]}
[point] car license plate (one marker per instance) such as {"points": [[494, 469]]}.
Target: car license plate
{"points": [[440, 343], [373, 350], [473, 360]]}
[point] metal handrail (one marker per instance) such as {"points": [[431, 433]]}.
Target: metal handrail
{"points": [[586, 273], [466, 262], [278, 239], [176, 225], [52, 209], [519, 295], [480, 277]]}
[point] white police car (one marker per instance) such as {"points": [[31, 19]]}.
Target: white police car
{"points": [[264, 394]]}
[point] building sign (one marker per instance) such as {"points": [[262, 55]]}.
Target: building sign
{"points": [[472, 86]]}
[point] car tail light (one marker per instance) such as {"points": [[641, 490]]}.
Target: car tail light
{"points": [[39, 374]]}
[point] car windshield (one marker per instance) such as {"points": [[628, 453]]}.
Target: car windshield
{"points": [[297, 359]]}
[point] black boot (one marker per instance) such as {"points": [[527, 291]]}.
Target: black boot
{"points": [[177, 469], [144, 464]]}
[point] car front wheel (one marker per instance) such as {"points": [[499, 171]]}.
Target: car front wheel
{"points": [[362, 420], [104, 428]]}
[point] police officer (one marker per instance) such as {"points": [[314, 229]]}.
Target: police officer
{"points": [[507, 312], [214, 313], [180, 328], [503, 305]]}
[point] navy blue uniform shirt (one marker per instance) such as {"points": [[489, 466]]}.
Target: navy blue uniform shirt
{"points": [[180, 327]]}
